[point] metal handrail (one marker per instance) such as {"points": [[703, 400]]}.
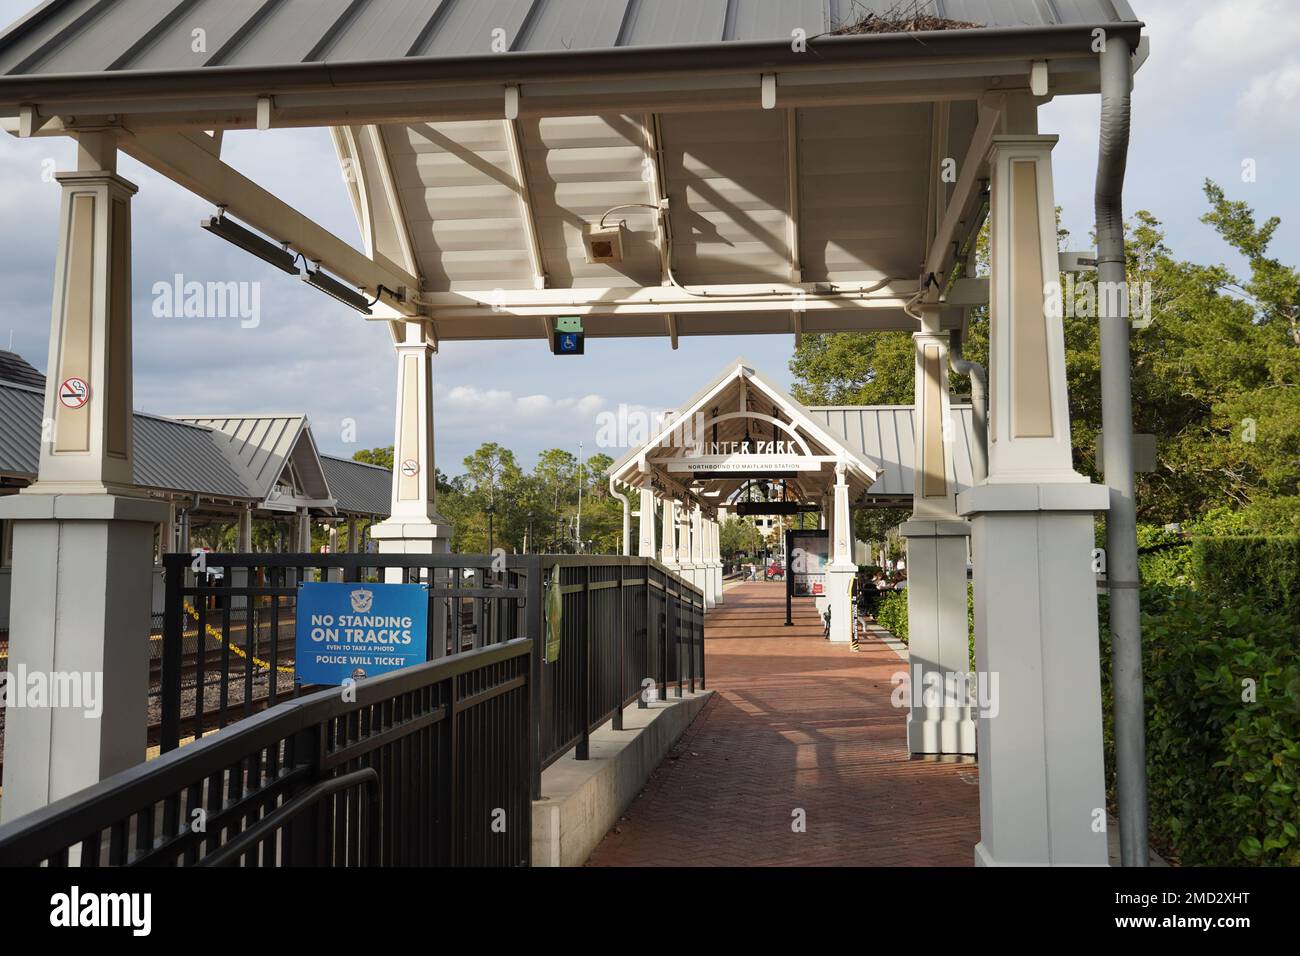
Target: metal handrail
{"points": [[230, 853], [27, 840]]}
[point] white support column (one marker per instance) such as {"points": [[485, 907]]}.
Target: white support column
{"points": [[841, 570], [717, 550], [83, 535], [335, 574], [414, 525], [167, 532], [696, 528], [646, 545], [715, 560], [710, 585], [302, 531], [939, 719], [244, 538], [1042, 794], [684, 566], [707, 582], [670, 533]]}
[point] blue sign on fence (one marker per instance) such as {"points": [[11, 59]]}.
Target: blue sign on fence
{"points": [[359, 630]]}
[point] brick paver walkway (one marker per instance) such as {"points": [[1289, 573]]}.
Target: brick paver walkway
{"points": [[797, 724]]}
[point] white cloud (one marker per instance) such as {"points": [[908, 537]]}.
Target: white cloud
{"points": [[506, 407], [1240, 33], [1276, 93]]}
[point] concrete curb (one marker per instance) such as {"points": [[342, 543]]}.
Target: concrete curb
{"points": [[888, 639], [583, 799]]}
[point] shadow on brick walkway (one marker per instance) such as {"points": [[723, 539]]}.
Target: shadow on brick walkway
{"points": [[796, 724]]}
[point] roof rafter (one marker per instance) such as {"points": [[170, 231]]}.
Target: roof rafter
{"points": [[519, 171], [964, 201]]}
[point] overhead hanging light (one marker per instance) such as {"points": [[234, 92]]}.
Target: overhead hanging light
{"points": [[249, 241], [337, 290]]}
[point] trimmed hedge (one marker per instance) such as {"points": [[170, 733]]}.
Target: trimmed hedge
{"points": [[1261, 572], [891, 614], [1222, 688]]}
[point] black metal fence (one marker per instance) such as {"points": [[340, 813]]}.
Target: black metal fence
{"points": [[434, 764], [631, 631], [426, 766], [228, 637]]}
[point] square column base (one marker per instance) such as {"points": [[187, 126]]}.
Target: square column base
{"points": [[1042, 790], [838, 582], [939, 718], [405, 536], [82, 586]]}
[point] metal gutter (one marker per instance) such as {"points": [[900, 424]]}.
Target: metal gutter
{"points": [[721, 57]]}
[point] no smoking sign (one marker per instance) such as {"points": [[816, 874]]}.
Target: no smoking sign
{"points": [[410, 468], [74, 393]]}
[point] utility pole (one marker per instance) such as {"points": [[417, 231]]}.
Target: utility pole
{"points": [[578, 532]]}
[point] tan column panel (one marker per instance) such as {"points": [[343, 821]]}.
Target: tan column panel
{"points": [[409, 486], [1031, 400], [72, 425], [935, 463]]}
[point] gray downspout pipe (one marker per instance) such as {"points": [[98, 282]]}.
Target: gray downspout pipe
{"points": [[979, 399], [1117, 455], [627, 517]]}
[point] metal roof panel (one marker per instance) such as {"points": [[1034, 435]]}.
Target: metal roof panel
{"points": [[169, 455], [883, 434], [358, 488], [85, 36]]}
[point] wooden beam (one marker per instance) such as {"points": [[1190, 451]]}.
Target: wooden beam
{"points": [[190, 165], [653, 172], [792, 193], [527, 220], [656, 300]]}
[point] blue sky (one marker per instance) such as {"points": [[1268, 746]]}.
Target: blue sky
{"points": [[1222, 86]]}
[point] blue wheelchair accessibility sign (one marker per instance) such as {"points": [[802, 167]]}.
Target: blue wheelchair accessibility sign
{"points": [[359, 630]]}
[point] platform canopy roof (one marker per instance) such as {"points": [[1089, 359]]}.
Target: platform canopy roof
{"points": [[277, 455], [775, 166], [885, 435], [266, 462], [738, 429]]}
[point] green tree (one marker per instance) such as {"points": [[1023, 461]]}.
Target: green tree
{"points": [[1216, 374], [383, 457]]}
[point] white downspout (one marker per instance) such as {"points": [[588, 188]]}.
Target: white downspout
{"points": [[627, 517]]}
